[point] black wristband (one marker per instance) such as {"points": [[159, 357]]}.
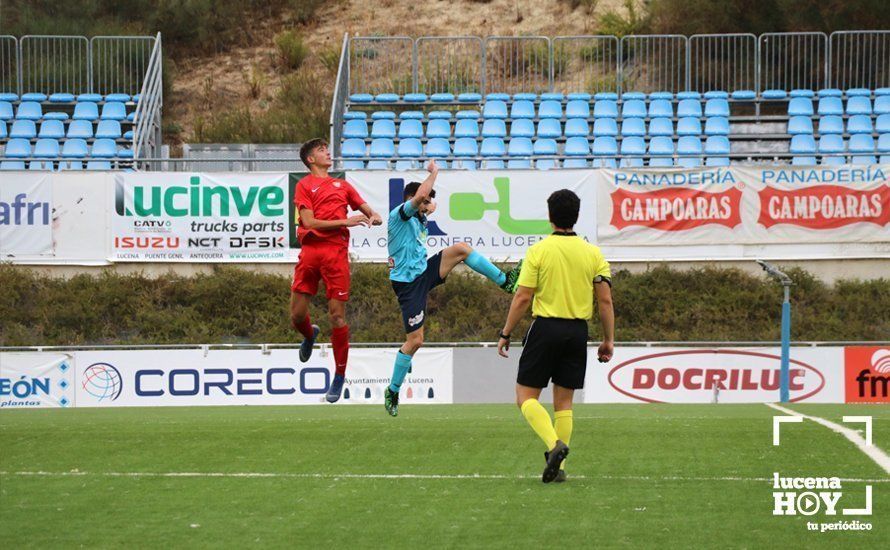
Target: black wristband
{"points": [[504, 336]]}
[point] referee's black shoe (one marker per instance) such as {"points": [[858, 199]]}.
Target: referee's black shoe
{"points": [[554, 459], [561, 476]]}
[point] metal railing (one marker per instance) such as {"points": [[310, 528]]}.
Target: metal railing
{"points": [[382, 65], [793, 60], [585, 63], [55, 64], [449, 64], [859, 59], [120, 63], [518, 64], [651, 63], [341, 91], [725, 62], [147, 136], [9, 64]]}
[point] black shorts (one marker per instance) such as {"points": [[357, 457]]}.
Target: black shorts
{"points": [[412, 296], [554, 349]]}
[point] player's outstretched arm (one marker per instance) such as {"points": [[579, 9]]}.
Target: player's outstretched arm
{"points": [[309, 221], [607, 318], [373, 217], [423, 192]]}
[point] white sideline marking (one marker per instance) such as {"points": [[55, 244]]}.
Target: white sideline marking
{"points": [[872, 451], [777, 424], [77, 473]]}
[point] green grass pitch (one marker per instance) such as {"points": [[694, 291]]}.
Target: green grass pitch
{"points": [[351, 477]]}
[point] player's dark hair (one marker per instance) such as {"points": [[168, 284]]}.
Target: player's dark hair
{"points": [[563, 207], [310, 146], [411, 190]]}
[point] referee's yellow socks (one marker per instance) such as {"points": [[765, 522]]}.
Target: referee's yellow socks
{"points": [[536, 416], [562, 423]]}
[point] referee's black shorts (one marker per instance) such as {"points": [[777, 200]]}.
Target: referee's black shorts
{"points": [[554, 349]]}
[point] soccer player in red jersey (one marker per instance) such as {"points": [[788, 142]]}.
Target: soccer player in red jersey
{"points": [[323, 231]]}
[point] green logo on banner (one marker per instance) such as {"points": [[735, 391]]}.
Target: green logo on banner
{"points": [[472, 206], [199, 200]]}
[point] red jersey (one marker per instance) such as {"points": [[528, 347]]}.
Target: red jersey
{"points": [[328, 199]]}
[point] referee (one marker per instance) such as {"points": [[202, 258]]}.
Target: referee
{"points": [[561, 274]]}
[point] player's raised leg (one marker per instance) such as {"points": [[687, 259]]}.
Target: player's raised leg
{"points": [[462, 252], [340, 344], [305, 285]]}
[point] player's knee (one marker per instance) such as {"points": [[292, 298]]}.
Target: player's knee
{"points": [[414, 341], [463, 249], [338, 318]]}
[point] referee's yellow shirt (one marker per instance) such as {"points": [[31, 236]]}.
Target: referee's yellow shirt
{"points": [[561, 269]]}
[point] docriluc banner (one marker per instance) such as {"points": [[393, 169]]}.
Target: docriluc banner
{"points": [[744, 205], [168, 216], [500, 214]]}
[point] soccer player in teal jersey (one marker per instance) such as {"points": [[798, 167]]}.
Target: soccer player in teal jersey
{"points": [[413, 275]]}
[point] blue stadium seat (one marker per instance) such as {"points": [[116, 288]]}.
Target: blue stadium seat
{"points": [[6, 111], [884, 148], [18, 148], [605, 127], [494, 127], [497, 96], [546, 164], [131, 117], [800, 106], [83, 129], [660, 149], [377, 164], [8, 96], [352, 129], [661, 95], [553, 96], [862, 143], [584, 96], [859, 106], [522, 109], [689, 126], [74, 148], [382, 148], [45, 165], [410, 148], [355, 115], [688, 145], [61, 98], [605, 96], [469, 97], [633, 127], [494, 109], [34, 96], [774, 94], [468, 114], [577, 127], [544, 147], [832, 144], [438, 129], [69, 165], [411, 129], [882, 124], [124, 153], [414, 98], [136, 98], [108, 129], [519, 164], [579, 109], [114, 111], [858, 92], [466, 128], [800, 125], [803, 144], [830, 92], [460, 163], [12, 165], [104, 148], [525, 96], [52, 129], [383, 115], [882, 105], [442, 97], [718, 146], [106, 165], [688, 108], [577, 146], [550, 109], [859, 124], [86, 110], [45, 148], [519, 147], [55, 115], [633, 108], [802, 93], [549, 128], [438, 148], [831, 125], [716, 94], [661, 127], [879, 92], [744, 95], [353, 148], [354, 98], [25, 129], [628, 96], [522, 127], [383, 129], [493, 147], [3, 133], [605, 148], [632, 151], [446, 115], [29, 110], [411, 115], [386, 98], [575, 163], [493, 164], [688, 94], [465, 147], [716, 107], [830, 106], [406, 165], [660, 108], [118, 97], [605, 108]]}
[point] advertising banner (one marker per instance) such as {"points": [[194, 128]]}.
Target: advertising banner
{"points": [[867, 374], [709, 375], [167, 216], [26, 215], [141, 378], [744, 205], [29, 380], [500, 214]]}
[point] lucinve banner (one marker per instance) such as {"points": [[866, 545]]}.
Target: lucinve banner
{"points": [[218, 217], [26, 215]]}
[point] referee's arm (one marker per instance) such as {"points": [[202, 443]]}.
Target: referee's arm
{"points": [[521, 300], [603, 293]]}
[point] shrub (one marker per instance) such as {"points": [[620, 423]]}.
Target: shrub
{"points": [[291, 50]]}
